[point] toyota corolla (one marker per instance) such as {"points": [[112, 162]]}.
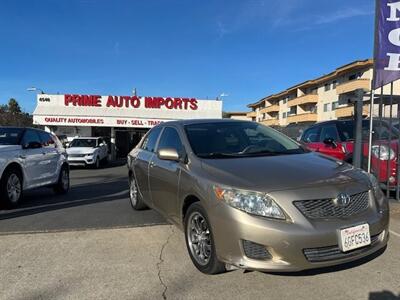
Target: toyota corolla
{"points": [[248, 197]]}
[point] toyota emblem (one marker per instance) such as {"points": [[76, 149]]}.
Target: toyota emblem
{"points": [[342, 200]]}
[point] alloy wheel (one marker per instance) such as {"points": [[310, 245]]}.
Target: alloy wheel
{"points": [[199, 239], [133, 192], [65, 179], [14, 188]]}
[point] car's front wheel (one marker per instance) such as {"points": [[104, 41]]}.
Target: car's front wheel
{"points": [[136, 200], [200, 241], [11, 187]]}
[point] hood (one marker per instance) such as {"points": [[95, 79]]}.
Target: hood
{"points": [[276, 173], [80, 150], [4, 148]]}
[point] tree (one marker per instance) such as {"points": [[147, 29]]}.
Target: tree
{"points": [[13, 107], [12, 115]]}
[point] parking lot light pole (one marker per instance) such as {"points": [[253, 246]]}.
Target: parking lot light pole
{"points": [[358, 114], [35, 89]]}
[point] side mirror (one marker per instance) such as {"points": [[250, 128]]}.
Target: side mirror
{"points": [[330, 142], [33, 145], [168, 154]]}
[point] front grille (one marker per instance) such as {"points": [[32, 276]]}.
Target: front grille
{"points": [[333, 252], [255, 251], [76, 155], [326, 208]]}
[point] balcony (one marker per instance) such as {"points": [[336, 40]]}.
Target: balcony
{"points": [[351, 86], [269, 109], [348, 111], [306, 117], [306, 99], [252, 114], [271, 122]]}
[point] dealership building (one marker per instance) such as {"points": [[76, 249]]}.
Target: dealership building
{"points": [[121, 120]]}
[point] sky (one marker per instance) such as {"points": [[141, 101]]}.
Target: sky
{"points": [[247, 49]]}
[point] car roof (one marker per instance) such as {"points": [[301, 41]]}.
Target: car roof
{"points": [[86, 138]]}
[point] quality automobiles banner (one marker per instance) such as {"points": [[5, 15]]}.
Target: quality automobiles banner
{"points": [[387, 42]]}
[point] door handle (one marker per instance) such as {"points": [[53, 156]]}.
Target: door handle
{"points": [[22, 156]]}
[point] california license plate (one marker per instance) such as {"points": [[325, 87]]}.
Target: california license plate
{"points": [[354, 237]]}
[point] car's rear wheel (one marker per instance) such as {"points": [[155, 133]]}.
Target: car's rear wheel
{"points": [[11, 187], [134, 195], [200, 241], [63, 184]]}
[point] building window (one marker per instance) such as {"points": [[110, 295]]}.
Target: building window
{"points": [[285, 101], [293, 110], [327, 107], [314, 91], [334, 84], [284, 115], [327, 87], [335, 105]]}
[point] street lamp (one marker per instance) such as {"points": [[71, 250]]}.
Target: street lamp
{"points": [[34, 89], [221, 96]]}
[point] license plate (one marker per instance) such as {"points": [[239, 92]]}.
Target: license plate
{"points": [[354, 237]]}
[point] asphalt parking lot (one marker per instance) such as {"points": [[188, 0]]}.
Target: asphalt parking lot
{"points": [[90, 244]]}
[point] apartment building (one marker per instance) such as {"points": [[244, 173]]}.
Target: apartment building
{"points": [[324, 98]]}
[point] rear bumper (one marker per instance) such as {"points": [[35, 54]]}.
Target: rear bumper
{"points": [[287, 242]]}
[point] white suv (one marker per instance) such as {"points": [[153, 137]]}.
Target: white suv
{"points": [[30, 158], [87, 151]]}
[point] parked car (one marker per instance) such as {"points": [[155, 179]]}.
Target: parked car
{"points": [[249, 197], [336, 139], [87, 151], [30, 158]]}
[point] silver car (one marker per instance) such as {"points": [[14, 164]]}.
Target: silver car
{"points": [[248, 197], [30, 158]]}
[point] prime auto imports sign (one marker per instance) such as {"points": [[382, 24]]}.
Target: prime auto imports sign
{"points": [[120, 111]]}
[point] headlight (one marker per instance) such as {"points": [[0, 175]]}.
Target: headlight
{"points": [[383, 152], [255, 203], [375, 186]]}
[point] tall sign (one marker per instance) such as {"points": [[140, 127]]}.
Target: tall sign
{"points": [[387, 42]]}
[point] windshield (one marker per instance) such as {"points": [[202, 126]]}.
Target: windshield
{"points": [[10, 136], [91, 143], [238, 139]]}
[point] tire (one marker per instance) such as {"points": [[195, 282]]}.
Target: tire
{"points": [[63, 184], [210, 264], [97, 163], [11, 187], [135, 199]]}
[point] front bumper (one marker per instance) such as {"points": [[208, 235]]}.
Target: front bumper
{"points": [[81, 161], [287, 242]]}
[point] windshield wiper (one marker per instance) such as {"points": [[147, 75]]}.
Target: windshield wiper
{"points": [[220, 155]]}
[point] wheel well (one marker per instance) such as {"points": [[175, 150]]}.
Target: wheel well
{"points": [[189, 200], [14, 166]]}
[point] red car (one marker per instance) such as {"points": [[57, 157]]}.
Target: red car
{"points": [[336, 139]]}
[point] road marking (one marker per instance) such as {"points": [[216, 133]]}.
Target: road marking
{"points": [[395, 233]]}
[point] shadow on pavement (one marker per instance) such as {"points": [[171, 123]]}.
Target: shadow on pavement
{"points": [[44, 199], [384, 295]]}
